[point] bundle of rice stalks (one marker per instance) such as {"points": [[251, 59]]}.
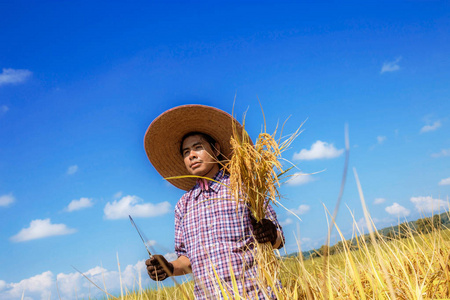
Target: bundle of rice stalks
{"points": [[255, 172]]}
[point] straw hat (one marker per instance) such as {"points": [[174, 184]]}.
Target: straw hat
{"points": [[163, 138]]}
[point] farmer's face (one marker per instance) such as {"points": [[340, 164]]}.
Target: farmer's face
{"points": [[199, 158]]}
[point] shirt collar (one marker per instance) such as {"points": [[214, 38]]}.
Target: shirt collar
{"points": [[213, 185], [217, 181]]}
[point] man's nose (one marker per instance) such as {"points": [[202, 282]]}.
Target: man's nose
{"points": [[192, 154]]}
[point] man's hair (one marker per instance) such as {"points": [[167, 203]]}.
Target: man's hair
{"points": [[211, 141]]}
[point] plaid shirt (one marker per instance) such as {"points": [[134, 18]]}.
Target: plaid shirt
{"points": [[215, 233]]}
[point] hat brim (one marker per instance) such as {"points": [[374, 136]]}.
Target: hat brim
{"points": [[163, 138]]}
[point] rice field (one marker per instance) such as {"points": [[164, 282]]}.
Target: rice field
{"points": [[414, 267]]}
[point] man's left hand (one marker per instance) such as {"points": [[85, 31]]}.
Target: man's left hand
{"points": [[264, 231]]}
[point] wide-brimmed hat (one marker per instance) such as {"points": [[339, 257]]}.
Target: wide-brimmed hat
{"points": [[163, 138]]}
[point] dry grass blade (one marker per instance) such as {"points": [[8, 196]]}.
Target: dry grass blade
{"points": [[372, 236], [94, 283], [341, 192], [57, 288], [120, 275]]}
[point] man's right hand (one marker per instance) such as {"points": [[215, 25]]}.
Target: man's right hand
{"points": [[158, 268]]}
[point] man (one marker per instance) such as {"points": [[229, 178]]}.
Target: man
{"points": [[214, 235]]}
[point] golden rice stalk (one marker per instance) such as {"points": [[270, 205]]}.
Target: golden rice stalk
{"points": [[255, 171]]}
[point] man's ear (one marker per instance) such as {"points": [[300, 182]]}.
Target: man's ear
{"points": [[216, 149]]}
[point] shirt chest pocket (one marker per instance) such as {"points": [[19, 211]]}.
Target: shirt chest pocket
{"points": [[194, 225], [229, 224]]}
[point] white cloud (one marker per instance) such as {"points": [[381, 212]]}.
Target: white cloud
{"points": [[171, 256], [319, 150], [431, 127], [79, 204], [445, 181], [302, 209], [3, 110], [74, 286], [150, 243], [362, 223], [6, 200], [2, 284], [38, 285], [428, 204], [308, 243], [391, 66], [444, 152], [398, 210], [11, 76], [72, 170], [286, 222], [381, 139], [134, 206], [299, 179], [41, 229], [379, 200]]}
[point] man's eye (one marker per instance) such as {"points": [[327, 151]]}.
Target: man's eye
{"points": [[186, 153], [199, 147]]}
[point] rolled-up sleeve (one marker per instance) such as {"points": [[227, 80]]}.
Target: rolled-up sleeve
{"points": [[180, 245], [272, 216]]}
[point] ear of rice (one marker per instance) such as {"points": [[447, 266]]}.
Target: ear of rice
{"points": [[255, 171]]}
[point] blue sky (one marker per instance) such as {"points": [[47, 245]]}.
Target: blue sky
{"points": [[80, 83]]}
